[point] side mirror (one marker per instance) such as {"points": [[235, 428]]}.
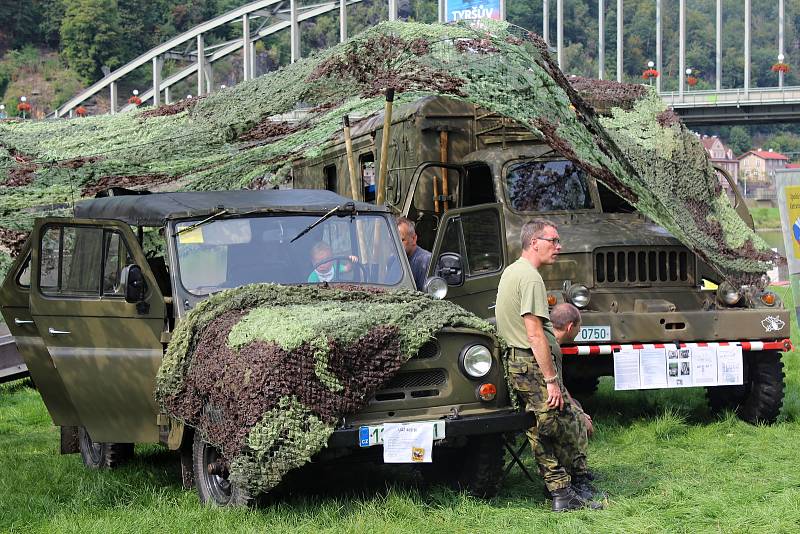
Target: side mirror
{"points": [[132, 279], [450, 267]]}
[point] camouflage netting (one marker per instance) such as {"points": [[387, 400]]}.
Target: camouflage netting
{"points": [[265, 372], [224, 141]]}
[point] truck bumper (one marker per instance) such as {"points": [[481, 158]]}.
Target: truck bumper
{"points": [[498, 423], [762, 324]]}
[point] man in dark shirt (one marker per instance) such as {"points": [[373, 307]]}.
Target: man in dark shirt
{"points": [[418, 257]]}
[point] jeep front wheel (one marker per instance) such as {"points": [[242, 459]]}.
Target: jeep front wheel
{"points": [[760, 398], [479, 467], [211, 476], [102, 455]]}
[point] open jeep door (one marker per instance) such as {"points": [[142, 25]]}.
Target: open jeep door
{"points": [[106, 350], [470, 254], [14, 299]]}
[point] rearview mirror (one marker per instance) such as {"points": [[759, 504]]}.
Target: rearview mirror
{"points": [[450, 267], [132, 280]]}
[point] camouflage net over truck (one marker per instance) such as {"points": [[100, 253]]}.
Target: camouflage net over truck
{"points": [[264, 372], [232, 139]]}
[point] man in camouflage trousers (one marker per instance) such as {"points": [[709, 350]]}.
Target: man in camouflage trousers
{"points": [[523, 320], [566, 321]]}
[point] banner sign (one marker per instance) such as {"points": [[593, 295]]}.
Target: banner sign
{"points": [[788, 183], [473, 9]]}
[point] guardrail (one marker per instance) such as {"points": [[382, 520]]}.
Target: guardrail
{"points": [[732, 97]]}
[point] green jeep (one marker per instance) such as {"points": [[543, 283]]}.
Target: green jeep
{"points": [[92, 302]]}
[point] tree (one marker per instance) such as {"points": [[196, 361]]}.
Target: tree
{"points": [[90, 36], [740, 140]]}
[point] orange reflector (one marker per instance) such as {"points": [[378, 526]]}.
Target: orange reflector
{"points": [[487, 392], [551, 300], [768, 299]]}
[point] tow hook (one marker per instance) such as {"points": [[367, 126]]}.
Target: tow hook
{"points": [[218, 468]]}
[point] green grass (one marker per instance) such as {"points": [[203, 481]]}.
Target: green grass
{"points": [[666, 463], [767, 218]]}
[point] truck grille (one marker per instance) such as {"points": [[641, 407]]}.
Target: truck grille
{"points": [[645, 266], [414, 384]]}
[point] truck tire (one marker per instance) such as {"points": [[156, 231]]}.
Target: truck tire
{"points": [[581, 386], [102, 455], [760, 398], [214, 489]]}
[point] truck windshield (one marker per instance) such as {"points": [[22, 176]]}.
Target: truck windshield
{"points": [[547, 185], [230, 252]]}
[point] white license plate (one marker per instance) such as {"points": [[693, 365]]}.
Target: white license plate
{"points": [[373, 435], [593, 333]]}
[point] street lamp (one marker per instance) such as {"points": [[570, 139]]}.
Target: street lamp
{"points": [[223, 86], [781, 57], [24, 106], [3, 111], [650, 66], [690, 80]]}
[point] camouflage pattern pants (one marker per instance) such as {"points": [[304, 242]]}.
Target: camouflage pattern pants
{"points": [[559, 440]]}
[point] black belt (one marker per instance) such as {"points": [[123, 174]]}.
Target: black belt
{"points": [[523, 351]]}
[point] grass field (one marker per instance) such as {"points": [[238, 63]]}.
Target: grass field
{"points": [[766, 217], [666, 463]]}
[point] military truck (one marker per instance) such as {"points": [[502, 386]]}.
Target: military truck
{"points": [[92, 302], [470, 179]]}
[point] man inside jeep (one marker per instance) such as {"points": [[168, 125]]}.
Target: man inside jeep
{"points": [[330, 270], [418, 257]]}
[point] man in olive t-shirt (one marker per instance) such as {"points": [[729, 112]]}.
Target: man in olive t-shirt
{"points": [[523, 320]]}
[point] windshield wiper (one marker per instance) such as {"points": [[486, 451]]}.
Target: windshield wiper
{"points": [[349, 207], [201, 223]]}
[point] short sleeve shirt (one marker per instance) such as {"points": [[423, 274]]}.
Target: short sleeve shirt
{"points": [[521, 291]]}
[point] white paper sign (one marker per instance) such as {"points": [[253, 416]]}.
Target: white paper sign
{"points": [[730, 370], [626, 369], [653, 368], [704, 366], [679, 368], [407, 442]]}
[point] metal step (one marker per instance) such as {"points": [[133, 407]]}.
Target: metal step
{"points": [[12, 367]]}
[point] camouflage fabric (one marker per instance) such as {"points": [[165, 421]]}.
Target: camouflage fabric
{"points": [[265, 372], [232, 139], [558, 440]]}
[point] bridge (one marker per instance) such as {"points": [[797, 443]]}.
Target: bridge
{"points": [[262, 18]]}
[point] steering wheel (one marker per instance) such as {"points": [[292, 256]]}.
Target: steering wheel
{"points": [[337, 260]]}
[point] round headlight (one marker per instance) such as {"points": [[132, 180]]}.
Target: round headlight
{"points": [[728, 294], [578, 295], [436, 287], [476, 361]]}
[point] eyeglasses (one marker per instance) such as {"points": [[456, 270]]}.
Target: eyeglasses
{"points": [[554, 240]]}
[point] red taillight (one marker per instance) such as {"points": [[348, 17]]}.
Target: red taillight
{"points": [[487, 392]]}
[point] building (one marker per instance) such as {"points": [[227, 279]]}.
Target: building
{"points": [[721, 156], [757, 171]]}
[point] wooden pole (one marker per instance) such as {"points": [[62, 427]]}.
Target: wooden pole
{"points": [[380, 194], [443, 137], [355, 189]]}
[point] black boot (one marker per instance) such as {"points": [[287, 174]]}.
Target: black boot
{"points": [[583, 487], [565, 499]]}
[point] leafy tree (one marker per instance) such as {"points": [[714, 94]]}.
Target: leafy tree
{"points": [[90, 36], [740, 140]]}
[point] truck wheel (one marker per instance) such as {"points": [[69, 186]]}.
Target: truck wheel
{"points": [[581, 386], [480, 466], [102, 455], [760, 399], [211, 477]]}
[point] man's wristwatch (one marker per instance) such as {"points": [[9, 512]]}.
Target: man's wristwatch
{"points": [[552, 380]]}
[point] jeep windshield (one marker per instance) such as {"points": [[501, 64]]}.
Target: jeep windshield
{"points": [[232, 252], [547, 185]]}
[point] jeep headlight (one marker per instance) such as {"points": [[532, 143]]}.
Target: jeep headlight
{"points": [[436, 287], [728, 295], [476, 361], [578, 294]]}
